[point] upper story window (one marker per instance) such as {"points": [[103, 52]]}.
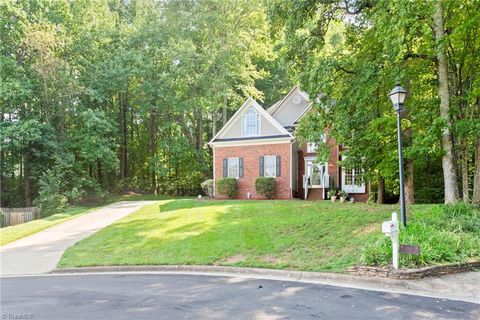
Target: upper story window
{"points": [[311, 147], [251, 123]]}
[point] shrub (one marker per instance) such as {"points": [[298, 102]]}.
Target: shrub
{"points": [[445, 234], [50, 199], [207, 187], [227, 186], [265, 186]]}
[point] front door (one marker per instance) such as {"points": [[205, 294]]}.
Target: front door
{"points": [[316, 173]]}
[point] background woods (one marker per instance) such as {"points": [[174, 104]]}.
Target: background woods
{"points": [[104, 96], [122, 95]]}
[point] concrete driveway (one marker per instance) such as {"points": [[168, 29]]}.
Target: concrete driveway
{"points": [[40, 252]]}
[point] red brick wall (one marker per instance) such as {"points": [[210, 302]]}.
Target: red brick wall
{"points": [[251, 155]]}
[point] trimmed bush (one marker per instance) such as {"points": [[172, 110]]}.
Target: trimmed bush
{"points": [[227, 186], [266, 186], [207, 187]]}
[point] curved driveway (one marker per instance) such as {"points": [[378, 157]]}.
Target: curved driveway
{"points": [[40, 252]]}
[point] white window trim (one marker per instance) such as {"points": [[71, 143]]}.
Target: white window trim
{"points": [[265, 166], [352, 188], [311, 147], [325, 175], [238, 167], [244, 123]]}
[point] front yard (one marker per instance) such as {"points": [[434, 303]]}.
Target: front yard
{"points": [[275, 234], [301, 235]]}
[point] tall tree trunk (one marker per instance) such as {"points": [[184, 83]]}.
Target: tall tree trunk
{"points": [[409, 186], [381, 190], [1, 167], [100, 173], [153, 147], [199, 120], [214, 123], [409, 166], [476, 174], [61, 121], [224, 110], [465, 187], [448, 159], [26, 182], [123, 135]]}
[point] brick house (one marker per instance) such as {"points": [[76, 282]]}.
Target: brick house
{"points": [[257, 142]]}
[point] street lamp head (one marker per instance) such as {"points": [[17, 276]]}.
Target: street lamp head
{"points": [[397, 96]]}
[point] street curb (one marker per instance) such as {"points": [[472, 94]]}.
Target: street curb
{"points": [[334, 279]]}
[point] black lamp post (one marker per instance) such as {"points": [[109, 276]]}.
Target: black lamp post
{"points": [[397, 96]]}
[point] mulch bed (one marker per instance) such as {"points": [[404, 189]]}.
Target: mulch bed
{"points": [[433, 271]]}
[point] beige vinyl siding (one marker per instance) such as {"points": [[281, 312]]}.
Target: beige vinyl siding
{"points": [[289, 111], [266, 129]]}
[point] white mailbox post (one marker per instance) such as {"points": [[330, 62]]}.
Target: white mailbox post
{"points": [[390, 228]]}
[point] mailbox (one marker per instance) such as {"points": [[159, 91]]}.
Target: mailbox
{"points": [[389, 227]]}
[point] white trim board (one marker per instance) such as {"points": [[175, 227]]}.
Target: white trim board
{"points": [[250, 102], [296, 88], [251, 142]]}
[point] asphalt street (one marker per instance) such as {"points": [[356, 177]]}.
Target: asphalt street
{"points": [[164, 296]]}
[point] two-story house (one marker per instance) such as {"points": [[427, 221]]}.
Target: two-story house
{"points": [[261, 142]]}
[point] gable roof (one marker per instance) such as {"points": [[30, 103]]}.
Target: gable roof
{"points": [[270, 109], [279, 104], [250, 102]]}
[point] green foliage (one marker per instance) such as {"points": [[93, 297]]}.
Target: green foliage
{"points": [[227, 186], [266, 186], [207, 187], [445, 234], [50, 198], [123, 95], [343, 194], [349, 54], [332, 193]]}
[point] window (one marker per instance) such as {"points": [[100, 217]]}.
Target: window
{"points": [[270, 166], [316, 173], [251, 123], [233, 168], [311, 147], [353, 181]]}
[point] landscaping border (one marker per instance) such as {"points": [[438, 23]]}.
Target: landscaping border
{"points": [[432, 271]]}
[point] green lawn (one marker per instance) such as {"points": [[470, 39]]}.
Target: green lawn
{"points": [[12, 233], [302, 235]]}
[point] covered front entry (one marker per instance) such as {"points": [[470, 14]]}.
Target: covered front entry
{"points": [[315, 177]]}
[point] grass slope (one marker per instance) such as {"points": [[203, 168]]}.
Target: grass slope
{"points": [[303, 235], [12, 233]]}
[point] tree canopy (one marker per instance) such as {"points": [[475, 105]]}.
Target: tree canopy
{"points": [[110, 95]]}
